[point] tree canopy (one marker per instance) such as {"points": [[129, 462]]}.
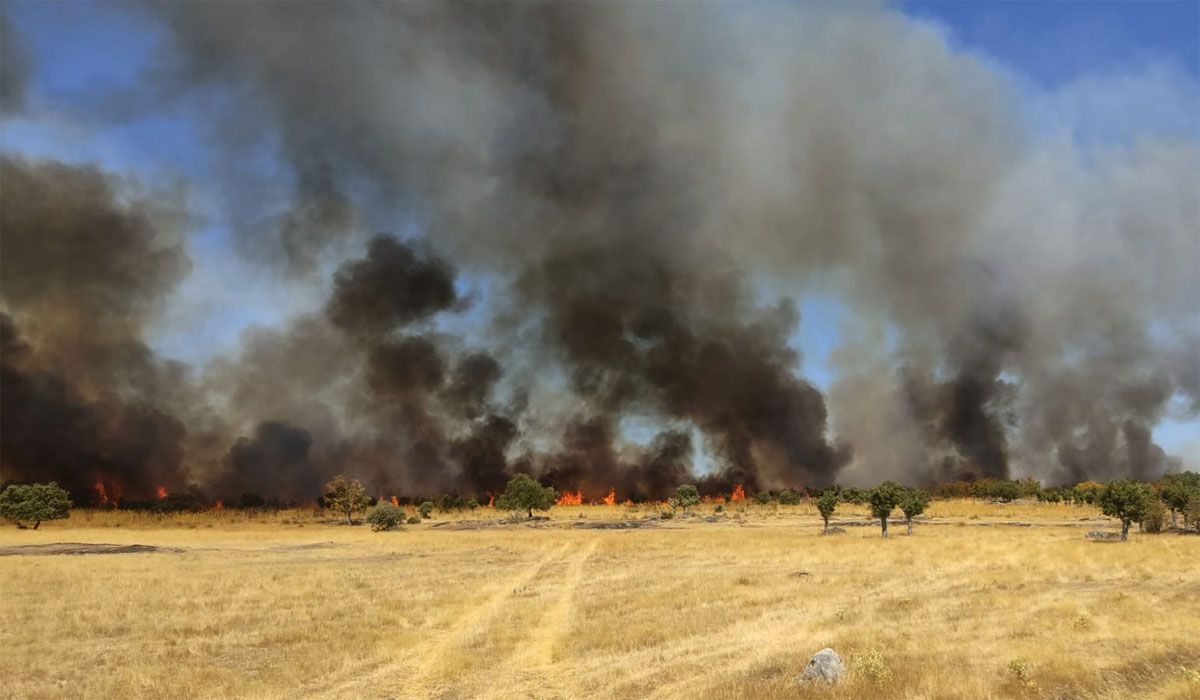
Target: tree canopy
{"points": [[34, 503]]}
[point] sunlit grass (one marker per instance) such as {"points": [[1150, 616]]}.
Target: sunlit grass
{"points": [[284, 604]]}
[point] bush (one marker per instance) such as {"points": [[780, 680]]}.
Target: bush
{"points": [[762, 498], [686, 496], [1192, 514], [789, 497], [719, 509], [250, 500], [666, 515], [22, 503], [414, 520], [425, 509], [384, 516], [856, 495], [1155, 518], [182, 502], [871, 665]]}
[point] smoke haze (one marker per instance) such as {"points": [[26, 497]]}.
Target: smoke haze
{"points": [[541, 238]]}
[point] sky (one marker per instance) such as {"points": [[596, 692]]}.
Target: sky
{"points": [[86, 56]]}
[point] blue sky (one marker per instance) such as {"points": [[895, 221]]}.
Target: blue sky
{"points": [[84, 54]]}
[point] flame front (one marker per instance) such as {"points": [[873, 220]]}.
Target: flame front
{"points": [[491, 499], [101, 493], [570, 499], [739, 493], [611, 498], [160, 492], [219, 505]]}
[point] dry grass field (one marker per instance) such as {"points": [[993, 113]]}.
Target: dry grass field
{"points": [[982, 601]]}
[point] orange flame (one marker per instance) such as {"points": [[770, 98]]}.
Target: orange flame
{"points": [[739, 493], [161, 492], [101, 493], [611, 498], [491, 499], [219, 505], [570, 499], [627, 502], [395, 501]]}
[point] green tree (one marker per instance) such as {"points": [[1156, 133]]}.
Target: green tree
{"points": [[686, 496], [22, 503], [1127, 500], [425, 509], [884, 498], [385, 516], [912, 504], [1176, 490], [346, 495], [525, 493], [826, 504]]}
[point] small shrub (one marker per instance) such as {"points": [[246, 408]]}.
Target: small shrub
{"points": [[183, 502], [666, 515], [1021, 668], [425, 509], [762, 498], [1155, 519], [789, 497], [384, 516], [719, 509], [414, 520], [871, 665], [686, 496]]}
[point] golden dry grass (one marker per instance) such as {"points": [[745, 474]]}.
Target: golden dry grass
{"points": [[284, 605]]}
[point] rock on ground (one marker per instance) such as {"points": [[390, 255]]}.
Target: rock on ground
{"points": [[1103, 536], [825, 665]]}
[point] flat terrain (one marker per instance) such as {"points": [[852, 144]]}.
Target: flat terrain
{"points": [[982, 601]]}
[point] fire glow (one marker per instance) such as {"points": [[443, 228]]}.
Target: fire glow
{"points": [[570, 498]]}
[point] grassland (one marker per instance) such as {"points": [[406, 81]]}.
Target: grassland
{"points": [[982, 601]]}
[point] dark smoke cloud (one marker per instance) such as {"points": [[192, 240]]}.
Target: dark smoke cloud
{"points": [[275, 462], [84, 268], [391, 287], [627, 181]]}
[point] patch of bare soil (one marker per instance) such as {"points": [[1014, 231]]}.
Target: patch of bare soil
{"points": [[74, 548]]}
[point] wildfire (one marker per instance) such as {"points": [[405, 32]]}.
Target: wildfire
{"points": [[101, 493], [611, 498], [395, 501], [219, 505], [739, 493], [491, 499], [160, 492], [570, 499]]}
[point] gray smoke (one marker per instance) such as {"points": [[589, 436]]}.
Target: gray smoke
{"points": [[624, 179]]}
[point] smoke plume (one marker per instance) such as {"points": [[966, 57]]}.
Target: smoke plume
{"points": [[598, 222]]}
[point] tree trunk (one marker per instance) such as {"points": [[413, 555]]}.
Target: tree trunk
{"points": [[1124, 530], [530, 514], [826, 525], [883, 520], [36, 523], [1172, 518], [908, 521], [349, 519]]}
